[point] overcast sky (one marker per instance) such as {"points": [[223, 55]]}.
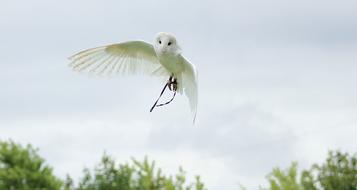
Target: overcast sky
{"points": [[277, 83]]}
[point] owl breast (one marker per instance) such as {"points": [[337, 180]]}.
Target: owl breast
{"points": [[172, 63]]}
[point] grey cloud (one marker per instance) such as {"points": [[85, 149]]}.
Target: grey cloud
{"points": [[272, 74], [243, 133]]}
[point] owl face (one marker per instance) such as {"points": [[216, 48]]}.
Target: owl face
{"points": [[166, 44]]}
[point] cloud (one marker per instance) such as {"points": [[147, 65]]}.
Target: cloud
{"points": [[276, 84]]}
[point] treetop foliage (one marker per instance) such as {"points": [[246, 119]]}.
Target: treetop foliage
{"points": [[21, 168], [338, 172]]}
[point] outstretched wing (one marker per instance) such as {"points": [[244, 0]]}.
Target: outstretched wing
{"points": [[124, 58], [189, 85]]}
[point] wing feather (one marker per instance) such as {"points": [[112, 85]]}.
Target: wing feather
{"points": [[80, 61], [86, 65], [96, 67], [106, 65], [112, 69]]}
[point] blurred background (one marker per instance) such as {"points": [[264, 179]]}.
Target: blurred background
{"points": [[277, 83]]}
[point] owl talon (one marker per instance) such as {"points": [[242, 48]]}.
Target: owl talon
{"points": [[172, 84]]}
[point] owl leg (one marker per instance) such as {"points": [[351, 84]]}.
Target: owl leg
{"points": [[172, 83]]}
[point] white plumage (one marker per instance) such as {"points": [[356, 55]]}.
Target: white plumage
{"points": [[163, 58]]}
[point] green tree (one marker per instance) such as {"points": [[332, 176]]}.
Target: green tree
{"points": [[284, 180], [21, 168], [136, 176], [339, 172]]}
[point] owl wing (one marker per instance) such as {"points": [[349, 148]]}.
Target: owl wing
{"points": [[189, 85], [124, 58]]}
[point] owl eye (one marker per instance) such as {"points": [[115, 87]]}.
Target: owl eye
{"points": [[169, 43], [159, 41]]}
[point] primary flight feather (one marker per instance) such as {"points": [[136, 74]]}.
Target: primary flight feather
{"points": [[162, 58]]}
